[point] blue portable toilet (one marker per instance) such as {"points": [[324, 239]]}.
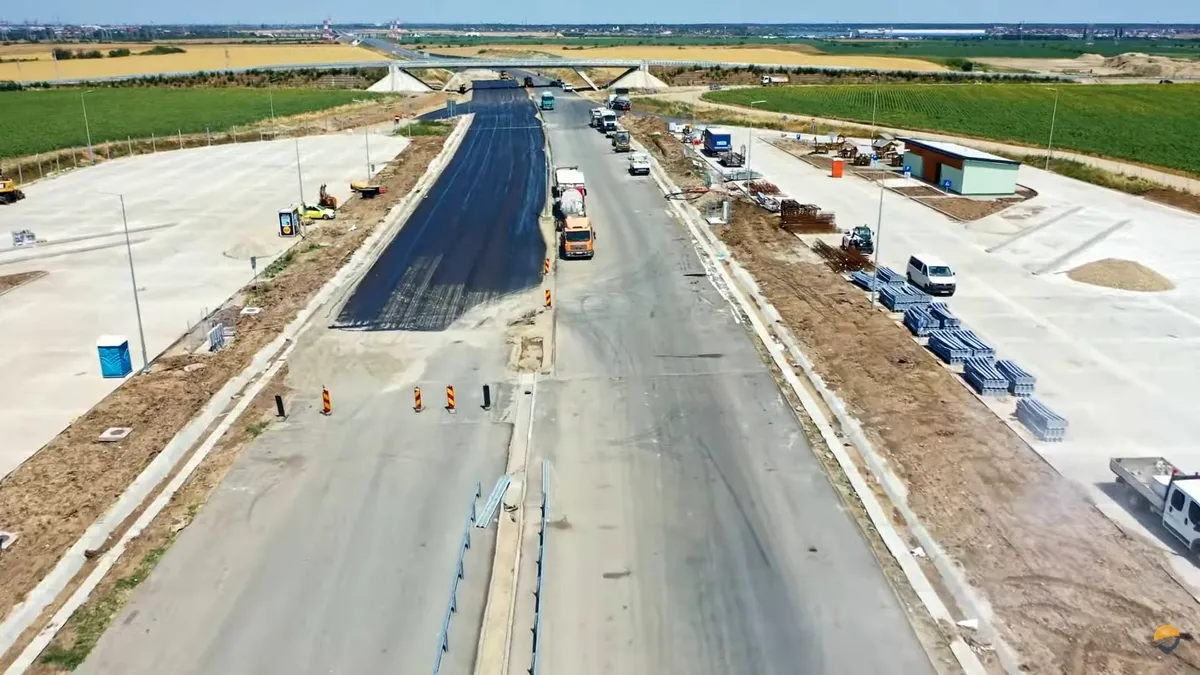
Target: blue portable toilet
{"points": [[114, 356]]}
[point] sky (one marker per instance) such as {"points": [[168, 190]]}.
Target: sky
{"points": [[614, 11]]}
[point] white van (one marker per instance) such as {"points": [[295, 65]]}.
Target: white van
{"points": [[931, 274]]}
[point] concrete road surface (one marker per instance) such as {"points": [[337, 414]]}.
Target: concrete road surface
{"points": [[694, 530]]}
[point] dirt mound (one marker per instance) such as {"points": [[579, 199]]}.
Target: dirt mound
{"points": [[1090, 59], [1145, 65], [1125, 275]]}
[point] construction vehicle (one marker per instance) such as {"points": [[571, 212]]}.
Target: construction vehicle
{"points": [[716, 140], [860, 239], [608, 122], [8, 191], [367, 190], [597, 113], [639, 164], [462, 88], [767, 80], [504, 75], [528, 82], [547, 101], [1172, 495], [569, 194], [326, 200], [621, 141], [578, 239]]}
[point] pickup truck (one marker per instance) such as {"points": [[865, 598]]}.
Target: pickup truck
{"points": [[1172, 495], [639, 164]]}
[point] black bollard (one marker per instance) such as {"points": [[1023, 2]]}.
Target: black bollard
{"points": [[487, 397], [279, 406]]}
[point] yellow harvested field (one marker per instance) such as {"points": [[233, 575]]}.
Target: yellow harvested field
{"points": [[198, 57], [699, 53]]}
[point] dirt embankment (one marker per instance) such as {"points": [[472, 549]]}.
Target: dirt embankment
{"points": [[1071, 593], [60, 491]]}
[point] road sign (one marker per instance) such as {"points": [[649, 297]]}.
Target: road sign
{"points": [[946, 185], [908, 172], [253, 262]]}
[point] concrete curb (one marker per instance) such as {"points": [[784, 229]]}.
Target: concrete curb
{"points": [[708, 245], [52, 585]]}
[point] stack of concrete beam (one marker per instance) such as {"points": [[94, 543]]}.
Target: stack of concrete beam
{"points": [[944, 317], [1045, 424], [864, 280], [979, 349], [889, 277]]}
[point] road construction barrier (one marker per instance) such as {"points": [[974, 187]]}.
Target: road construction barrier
{"points": [[450, 398], [279, 406], [546, 267], [417, 405], [459, 573], [541, 570], [487, 397], [326, 404], [547, 297]]}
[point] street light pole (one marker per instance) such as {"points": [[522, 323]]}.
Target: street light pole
{"points": [[87, 129], [299, 176], [874, 109], [367, 141], [137, 306], [1053, 117], [750, 145], [878, 245]]}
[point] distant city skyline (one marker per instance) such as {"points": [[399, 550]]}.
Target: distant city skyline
{"points": [[615, 12]]}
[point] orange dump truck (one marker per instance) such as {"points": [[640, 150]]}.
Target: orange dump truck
{"points": [[578, 239]]}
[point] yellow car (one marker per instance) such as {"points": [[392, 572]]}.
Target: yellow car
{"points": [[317, 213]]}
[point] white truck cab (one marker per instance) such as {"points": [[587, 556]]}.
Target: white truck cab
{"points": [[931, 274], [1169, 492], [597, 113]]}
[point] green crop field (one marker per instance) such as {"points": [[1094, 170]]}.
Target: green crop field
{"points": [[43, 120], [1024, 49], [1149, 124]]}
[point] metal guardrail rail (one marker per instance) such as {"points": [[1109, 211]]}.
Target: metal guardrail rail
{"points": [[541, 570], [452, 605], [493, 503]]}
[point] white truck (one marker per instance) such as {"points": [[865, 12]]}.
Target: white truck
{"points": [[767, 80], [608, 122], [1170, 493], [569, 192], [639, 164]]}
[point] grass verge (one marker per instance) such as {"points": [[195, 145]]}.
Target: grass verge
{"points": [[424, 128], [42, 121], [1140, 123]]}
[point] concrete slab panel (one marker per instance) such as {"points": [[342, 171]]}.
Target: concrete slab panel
{"points": [[1121, 366], [221, 204]]}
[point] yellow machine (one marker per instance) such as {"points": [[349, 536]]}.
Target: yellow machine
{"points": [[504, 75], [9, 192]]}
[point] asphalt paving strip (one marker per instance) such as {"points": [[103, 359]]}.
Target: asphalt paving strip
{"points": [[475, 236]]}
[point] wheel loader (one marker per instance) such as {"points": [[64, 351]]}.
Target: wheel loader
{"points": [[8, 191]]}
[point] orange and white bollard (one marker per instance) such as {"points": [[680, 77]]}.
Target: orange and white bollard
{"points": [[326, 404], [546, 267], [450, 398], [417, 405], [547, 297]]}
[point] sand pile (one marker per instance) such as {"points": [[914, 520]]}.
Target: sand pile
{"points": [[1125, 275], [640, 80], [1144, 65]]}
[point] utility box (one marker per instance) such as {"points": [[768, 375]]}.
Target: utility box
{"points": [[289, 222], [114, 356]]}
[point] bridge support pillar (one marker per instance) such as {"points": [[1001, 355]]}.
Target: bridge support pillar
{"points": [[585, 78]]}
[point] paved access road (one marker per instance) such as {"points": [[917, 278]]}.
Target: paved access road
{"points": [[696, 532], [475, 235]]}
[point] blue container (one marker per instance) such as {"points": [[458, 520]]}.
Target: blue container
{"points": [[114, 356]]}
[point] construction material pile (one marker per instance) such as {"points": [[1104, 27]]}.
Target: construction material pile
{"points": [[1045, 424], [800, 218], [1020, 383]]}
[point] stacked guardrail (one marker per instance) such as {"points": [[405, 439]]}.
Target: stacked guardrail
{"points": [[983, 377], [452, 605], [1045, 424], [919, 321], [1020, 383], [957, 345]]}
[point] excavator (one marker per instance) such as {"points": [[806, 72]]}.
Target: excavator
{"points": [[326, 200], [8, 191], [859, 239]]}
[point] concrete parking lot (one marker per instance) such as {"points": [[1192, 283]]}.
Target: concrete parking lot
{"points": [[1119, 365], [196, 217]]}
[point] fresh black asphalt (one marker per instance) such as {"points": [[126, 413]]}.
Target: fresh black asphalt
{"points": [[474, 236]]}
